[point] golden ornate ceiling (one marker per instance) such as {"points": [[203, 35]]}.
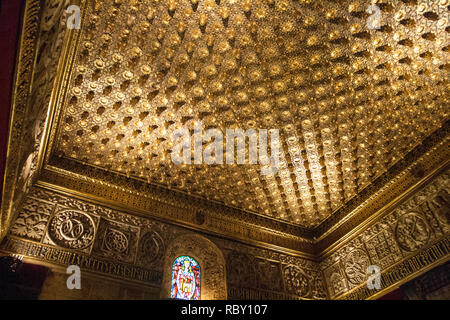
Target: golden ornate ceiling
{"points": [[349, 97]]}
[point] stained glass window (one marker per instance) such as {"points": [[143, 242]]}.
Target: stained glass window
{"points": [[185, 279]]}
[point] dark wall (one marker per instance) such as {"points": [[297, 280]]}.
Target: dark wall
{"points": [[20, 281], [433, 285]]}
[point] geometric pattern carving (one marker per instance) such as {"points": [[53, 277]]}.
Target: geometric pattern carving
{"points": [[240, 270], [318, 291], [116, 241], [296, 281], [337, 283], [383, 248], [335, 280], [412, 231], [269, 275], [355, 266], [32, 220], [397, 235], [72, 229], [440, 206], [278, 275], [151, 249]]}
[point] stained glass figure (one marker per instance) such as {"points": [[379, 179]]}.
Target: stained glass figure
{"points": [[185, 279]]}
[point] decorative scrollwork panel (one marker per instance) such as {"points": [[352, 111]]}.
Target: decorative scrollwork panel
{"points": [[72, 230]]}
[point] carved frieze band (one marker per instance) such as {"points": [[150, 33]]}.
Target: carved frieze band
{"points": [[87, 262], [437, 253], [63, 230], [258, 273], [172, 197], [400, 243]]}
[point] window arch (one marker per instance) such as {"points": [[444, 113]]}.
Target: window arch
{"points": [[185, 279]]}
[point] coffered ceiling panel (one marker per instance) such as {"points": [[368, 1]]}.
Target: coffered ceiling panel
{"points": [[352, 86]]}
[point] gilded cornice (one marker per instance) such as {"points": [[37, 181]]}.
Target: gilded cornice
{"points": [[60, 86], [172, 197]]}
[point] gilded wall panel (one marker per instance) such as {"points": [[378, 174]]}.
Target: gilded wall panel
{"points": [[64, 230], [151, 249], [413, 227], [336, 282], [269, 275], [124, 246], [32, 221], [116, 241], [257, 273]]}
